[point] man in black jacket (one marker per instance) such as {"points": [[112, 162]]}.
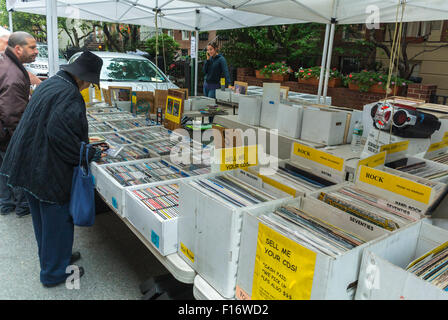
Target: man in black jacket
{"points": [[14, 95], [41, 158]]}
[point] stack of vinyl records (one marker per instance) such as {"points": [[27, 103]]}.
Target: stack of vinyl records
{"points": [[163, 147], [129, 124], [143, 172], [298, 179], [311, 232], [161, 200], [114, 138], [419, 169], [145, 135], [99, 127], [113, 116], [96, 110], [194, 169], [433, 267], [441, 159], [231, 191], [367, 207], [127, 153]]}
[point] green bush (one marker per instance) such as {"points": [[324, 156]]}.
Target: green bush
{"points": [[167, 45]]}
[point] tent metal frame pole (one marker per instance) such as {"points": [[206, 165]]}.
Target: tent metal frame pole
{"points": [[324, 61], [52, 37], [330, 53], [11, 29], [196, 63]]}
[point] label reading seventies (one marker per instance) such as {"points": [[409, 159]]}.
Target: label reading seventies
{"points": [[318, 156], [284, 270], [396, 184]]}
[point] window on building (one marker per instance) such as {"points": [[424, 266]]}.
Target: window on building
{"points": [[185, 35], [418, 29], [170, 33]]}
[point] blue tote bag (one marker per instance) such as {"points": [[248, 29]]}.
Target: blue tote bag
{"points": [[82, 199]]}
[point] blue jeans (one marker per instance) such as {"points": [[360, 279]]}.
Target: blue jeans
{"points": [[11, 198], [54, 231], [210, 90]]}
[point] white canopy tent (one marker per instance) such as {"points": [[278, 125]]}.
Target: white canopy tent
{"points": [[171, 14], [332, 12]]}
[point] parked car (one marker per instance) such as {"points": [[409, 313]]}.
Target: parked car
{"points": [[130, 70], [40, 66]]}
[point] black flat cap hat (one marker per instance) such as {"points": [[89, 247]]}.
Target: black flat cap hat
{"points": [[87, 67]]}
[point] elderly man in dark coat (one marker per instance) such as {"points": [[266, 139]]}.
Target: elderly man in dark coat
{"points": [[14, 96], [41, 158]]}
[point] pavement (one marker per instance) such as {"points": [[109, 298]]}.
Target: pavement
{"points": [[114, 259]]}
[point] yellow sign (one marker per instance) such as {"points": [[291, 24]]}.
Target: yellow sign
{"points": [[278, 185], [97, 93], [395, 147], [445, 135], [86, 95], [238, 157], [438, 145], [173, 109], [396, 184], [284, 270], [373, 161], [187, 252], [318, 156], [223, 81]]}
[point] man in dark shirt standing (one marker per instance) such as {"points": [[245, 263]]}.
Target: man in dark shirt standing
{"points": [[14, 96]]}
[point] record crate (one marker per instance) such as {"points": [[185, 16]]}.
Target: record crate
{"points": [[383, 274], [410, 160], [209, 231], [114, 193], [146, 134], [223, 95], [112, 116], [161, 233], [325, 277], [282, 185]]}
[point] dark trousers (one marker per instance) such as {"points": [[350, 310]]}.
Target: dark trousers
{"points": [[54, 230]]}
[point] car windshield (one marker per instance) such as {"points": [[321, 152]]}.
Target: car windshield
{"points": [[124, 69], [43, 52]]}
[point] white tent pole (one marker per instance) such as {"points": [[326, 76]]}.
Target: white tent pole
{"points": [[10, 22], [196, 67], [330, 53], [324, 60], [196, 62], [52, 37]]}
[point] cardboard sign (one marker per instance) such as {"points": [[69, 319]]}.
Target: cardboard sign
{"points": [[173, 109], [318, 156], [395, 184], [373, 161], [238, 157], [284, 270]]}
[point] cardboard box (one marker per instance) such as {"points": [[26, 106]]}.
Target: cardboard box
{"points": [[223, 95], [325, 126], [160, 100], [209, 234], [332, 278], [270, 105], [382, 274], [289, 120], [249, 110]]}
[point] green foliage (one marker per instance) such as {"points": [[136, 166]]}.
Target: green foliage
{"points": [[166, 45], [275, 68], [253, 47], [314, 72], [365, 79]]}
